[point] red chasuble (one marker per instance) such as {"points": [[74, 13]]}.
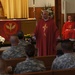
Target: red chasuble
{"points": [[46, 33], [68, 30]]}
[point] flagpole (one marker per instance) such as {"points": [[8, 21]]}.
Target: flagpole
{"points": [[34, 8], [65, 12]]}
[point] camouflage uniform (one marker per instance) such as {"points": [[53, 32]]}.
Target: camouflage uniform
{"points": [[65, 61], [29, 65], [23, 43], [14, 52]]}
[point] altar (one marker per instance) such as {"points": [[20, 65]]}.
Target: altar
{"points": [[9, 27]]}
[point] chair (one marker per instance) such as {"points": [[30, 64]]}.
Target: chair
{"points": [[64, 72], [1, 51], [37, 73], [47, 60]]}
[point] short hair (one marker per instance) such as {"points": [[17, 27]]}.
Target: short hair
{"points": [[30, 50], [45, 11], [67, 45], [59, 52], [20, 35], [14, 38]]}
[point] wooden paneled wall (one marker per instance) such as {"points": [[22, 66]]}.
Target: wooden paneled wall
{"points": [[37, 12]]}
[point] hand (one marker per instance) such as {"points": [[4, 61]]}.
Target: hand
{"points": [[67, 29], [9, 69], [59, 37]]}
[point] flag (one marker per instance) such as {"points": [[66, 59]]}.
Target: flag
{"points": [[8, 28]]}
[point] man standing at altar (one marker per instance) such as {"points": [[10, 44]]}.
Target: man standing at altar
{"points": [[46, 34], [68, 30]]}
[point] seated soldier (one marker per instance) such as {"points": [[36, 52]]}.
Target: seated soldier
{"points": [[21, 37], [30, 64], [15, 51], [67, 60]]}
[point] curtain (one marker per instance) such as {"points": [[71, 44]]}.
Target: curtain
{"points": [[15, 8]]}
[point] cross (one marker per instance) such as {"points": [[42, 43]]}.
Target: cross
{"points": [[45, 27]]}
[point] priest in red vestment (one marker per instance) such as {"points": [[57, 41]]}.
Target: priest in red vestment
{"points": [[46, 34], [68, 30]]}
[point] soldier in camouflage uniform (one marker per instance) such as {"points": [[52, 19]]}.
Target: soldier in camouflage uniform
{"points": [[15, 50], [21, 37], [30, 64], [67, 60]]}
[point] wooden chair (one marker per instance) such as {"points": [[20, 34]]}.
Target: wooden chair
{"points": [[37, 73], [64, 72], [13, 62], [46, 59], [1, 51]]}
